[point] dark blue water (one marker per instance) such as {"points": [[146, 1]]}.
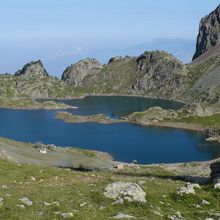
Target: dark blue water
{"points": [[117, 106], [124, 141]]}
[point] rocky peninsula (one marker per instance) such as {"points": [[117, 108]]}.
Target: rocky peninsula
{"points": [[100, 118]]}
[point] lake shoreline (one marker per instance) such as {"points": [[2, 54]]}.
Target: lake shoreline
{"points": [[16, 152]]}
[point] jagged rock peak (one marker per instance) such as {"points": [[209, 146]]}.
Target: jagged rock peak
{"points": [[209, 33], [119, 59], [32, 68], [75, 73]]}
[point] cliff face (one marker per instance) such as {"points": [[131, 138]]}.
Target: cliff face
{"points": [[209, 33], [75, 73]]}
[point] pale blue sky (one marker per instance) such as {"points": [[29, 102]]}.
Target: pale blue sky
{"points": [[49, 29]]}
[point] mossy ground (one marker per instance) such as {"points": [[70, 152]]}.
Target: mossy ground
{"points": [[71, 189]]}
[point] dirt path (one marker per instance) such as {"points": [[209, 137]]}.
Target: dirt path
{"points": [[60, 157]]}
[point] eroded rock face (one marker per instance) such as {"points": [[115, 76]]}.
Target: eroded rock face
{"points": [[34, 68], [209, 32], [161, 72], [125, 191], [75, 73]]}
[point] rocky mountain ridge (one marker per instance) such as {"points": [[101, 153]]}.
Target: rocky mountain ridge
{"points": [[153, 74], [209, 33]]}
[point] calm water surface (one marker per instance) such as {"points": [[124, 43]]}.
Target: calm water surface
{"points": [[124, 141]]}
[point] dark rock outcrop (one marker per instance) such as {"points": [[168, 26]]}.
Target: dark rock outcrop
{"points": [[75, 73], [209, 33]]}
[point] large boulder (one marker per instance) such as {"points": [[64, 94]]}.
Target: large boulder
{"points": [[75, 73], [209, 32], [125, 191]]}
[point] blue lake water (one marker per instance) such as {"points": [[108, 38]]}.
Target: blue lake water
{"points": [[124, 141]]}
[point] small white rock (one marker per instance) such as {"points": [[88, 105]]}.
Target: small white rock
{"points": [[83, 204], [217, 185], [67, 215], [205, 202], [33, 178], [4, 187], [123, 216], [56, 203], [21, 206], [26, 201]]}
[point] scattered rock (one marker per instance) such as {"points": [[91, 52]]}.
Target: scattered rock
{"points": [[123, 216], [205, 202], [217, 186], [4, 187], [119, 166], [67, 215], [188, 189], [102, 207], [125, 191], [56, 203], [157, 213], [20, 206], [26, 201], [83, 204], [33, 178], [177, 216]]}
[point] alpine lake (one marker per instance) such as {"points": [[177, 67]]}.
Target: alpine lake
{"points": [[123, 141]]}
